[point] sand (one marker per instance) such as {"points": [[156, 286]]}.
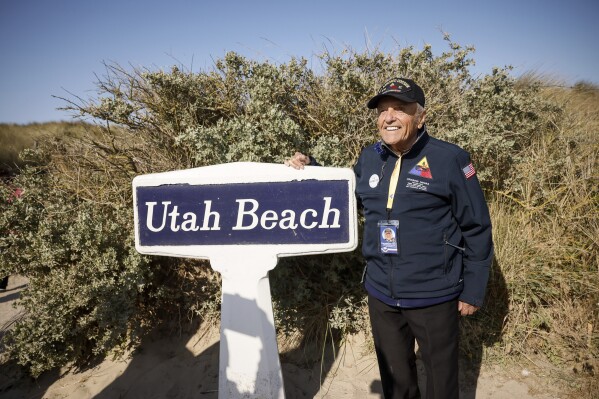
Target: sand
{"points": [[185, 365]]}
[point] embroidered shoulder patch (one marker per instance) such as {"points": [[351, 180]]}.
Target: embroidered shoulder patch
{"points": [[469, 171], [422, 169]]}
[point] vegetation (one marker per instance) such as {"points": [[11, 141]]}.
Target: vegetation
{"points": [[90, 293], [16, 138]]}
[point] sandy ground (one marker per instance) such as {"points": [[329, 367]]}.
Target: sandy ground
{"points": [[186, 366]]}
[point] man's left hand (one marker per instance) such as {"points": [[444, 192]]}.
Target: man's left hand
{"points": [[466, 309]]}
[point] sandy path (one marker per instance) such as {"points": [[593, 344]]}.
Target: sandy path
{"points": [[186, 366]]}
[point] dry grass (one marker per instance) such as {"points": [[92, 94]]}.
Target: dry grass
{"points": [[16, 138], [546, 233]]}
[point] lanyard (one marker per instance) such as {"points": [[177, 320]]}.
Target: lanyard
{"points": [[393, 184]]}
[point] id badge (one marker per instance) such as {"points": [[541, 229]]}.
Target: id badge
{"points": [[388, 230]]}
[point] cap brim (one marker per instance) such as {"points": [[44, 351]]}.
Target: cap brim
{"points": [[375, 100]]}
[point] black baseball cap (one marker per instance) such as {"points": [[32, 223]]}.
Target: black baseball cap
{"points": [[401, 88]]}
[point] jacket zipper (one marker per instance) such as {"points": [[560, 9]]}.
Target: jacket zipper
{"points": [[461, 249], [445, 253], [397, 238], [399, 159]]}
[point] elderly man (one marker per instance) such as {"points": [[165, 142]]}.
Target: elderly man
{"points": [[426, 191]]}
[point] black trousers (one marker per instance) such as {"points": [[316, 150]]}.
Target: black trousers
{"points": [[395, 331]]}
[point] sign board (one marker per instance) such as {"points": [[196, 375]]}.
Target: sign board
{"points": [[197, 212], [242, 217]]}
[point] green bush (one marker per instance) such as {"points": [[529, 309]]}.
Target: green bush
{"points": [[90, 293], [71, 233]]}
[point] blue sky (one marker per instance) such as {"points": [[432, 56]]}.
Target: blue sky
{"points": [[55, 47]]}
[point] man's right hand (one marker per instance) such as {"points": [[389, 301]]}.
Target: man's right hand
{"points": [[298, 161]]}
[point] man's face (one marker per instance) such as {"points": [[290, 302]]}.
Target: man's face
{"points": [[398, 123]]}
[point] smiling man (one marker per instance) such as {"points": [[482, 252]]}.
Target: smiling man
{"points": [[425, 191]]}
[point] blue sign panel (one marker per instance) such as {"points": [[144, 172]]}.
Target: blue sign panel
{"points": [[295, 212]]}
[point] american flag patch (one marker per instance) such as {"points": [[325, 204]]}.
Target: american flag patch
{"points": [[469, 171]]}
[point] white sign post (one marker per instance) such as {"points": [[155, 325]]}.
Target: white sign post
{"points": [[243, 217]]}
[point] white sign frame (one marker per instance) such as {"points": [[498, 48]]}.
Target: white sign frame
{"points": [[249, 363]]}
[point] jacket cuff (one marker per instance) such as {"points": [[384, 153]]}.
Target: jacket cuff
{"points": [[476, 276]]}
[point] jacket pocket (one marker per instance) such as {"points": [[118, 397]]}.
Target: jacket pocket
{"points": [[448, 252]]}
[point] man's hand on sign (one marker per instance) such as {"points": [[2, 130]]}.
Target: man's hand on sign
{"points": [[298, 161]]}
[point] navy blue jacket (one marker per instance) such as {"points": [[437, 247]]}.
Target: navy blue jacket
{"points": [[444, 235]]}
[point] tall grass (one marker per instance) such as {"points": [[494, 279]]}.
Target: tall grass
{"points": [[16, 138], [546, 232]]}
